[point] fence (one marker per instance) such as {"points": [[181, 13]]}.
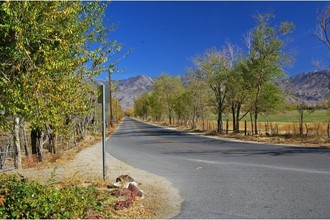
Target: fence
{"points": [[6, 156], [320, 129]]}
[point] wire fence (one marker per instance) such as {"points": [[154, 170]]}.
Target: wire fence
{"points": [[6, 156]]}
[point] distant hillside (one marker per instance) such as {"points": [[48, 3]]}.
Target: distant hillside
{"points": [[308, 87], [128, 90]]}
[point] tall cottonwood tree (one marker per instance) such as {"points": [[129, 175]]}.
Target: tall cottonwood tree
{"points": [[47, 51], [266, 58], [168, 89], [238, 92], [213, 68], [198, 101]]}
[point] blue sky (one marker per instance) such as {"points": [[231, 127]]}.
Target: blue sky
{"points": [[166, 36]]}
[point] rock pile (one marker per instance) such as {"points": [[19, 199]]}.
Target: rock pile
{"points": [[127, 191]]}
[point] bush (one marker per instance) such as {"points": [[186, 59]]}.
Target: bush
{"points": [[21, 198]]}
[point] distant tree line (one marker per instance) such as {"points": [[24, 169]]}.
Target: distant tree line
{"points": [[225, 80]]}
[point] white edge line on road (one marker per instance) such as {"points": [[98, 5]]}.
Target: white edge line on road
{"points": [[262, 166]]}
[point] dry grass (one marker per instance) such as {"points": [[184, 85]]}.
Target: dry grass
{"points": [[315, 134], [46, 172]]}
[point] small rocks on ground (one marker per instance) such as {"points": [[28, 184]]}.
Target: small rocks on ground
{"points": [[128, 192]]}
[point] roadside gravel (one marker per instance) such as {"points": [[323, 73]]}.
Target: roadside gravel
{"points": [[161, 198]]}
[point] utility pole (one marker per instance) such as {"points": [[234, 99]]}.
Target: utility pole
{"points": [[110, 96], [103, 132]]}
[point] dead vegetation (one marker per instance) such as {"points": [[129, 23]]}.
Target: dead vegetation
{"points": [[70, 168], [314, 135]]}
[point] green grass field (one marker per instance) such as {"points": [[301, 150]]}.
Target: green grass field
{"points": [[289, 116]]}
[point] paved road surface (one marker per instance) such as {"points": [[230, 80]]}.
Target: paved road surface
{"points": [[222, 179]]}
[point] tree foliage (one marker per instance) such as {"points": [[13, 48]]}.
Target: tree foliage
{"points": [[227, 80], [214, 69], [49, 51], [266, 58]]}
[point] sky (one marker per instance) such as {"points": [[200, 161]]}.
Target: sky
{"points": [[165, 36]]}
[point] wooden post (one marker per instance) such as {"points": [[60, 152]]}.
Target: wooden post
{"points": [[227, 126], [328, 129], [110, 96], [103, 133], [245, 127]]}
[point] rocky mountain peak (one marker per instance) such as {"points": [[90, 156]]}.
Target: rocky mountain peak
{"points": [[309, 87], [128, 90]]}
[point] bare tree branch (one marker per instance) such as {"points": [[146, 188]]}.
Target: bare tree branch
{"points": [[321, 31]]}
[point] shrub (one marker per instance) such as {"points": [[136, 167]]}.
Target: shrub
{"points": [[24, 199]]}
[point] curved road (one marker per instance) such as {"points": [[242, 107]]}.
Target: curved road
{"points": [[223, 179]]}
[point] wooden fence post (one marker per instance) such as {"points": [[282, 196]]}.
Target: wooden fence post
{"points": [[227, 126], [245, 127]]}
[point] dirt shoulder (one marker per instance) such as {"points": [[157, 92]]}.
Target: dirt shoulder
{"points": [[161, 198]]}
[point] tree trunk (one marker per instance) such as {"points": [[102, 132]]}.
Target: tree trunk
{"points": [[256, 122], [51, 140], [238, 110], [301, 122], [219, 121], [234, 117], [251, 119], [24, 139], [193, 126], [36, 142], [17, 145]]}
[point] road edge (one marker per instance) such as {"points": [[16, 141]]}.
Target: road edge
{"points": [[222, 138], [165, 197]]}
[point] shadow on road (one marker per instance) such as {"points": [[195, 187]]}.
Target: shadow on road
{"points": [[282, 151], [225, 148]]}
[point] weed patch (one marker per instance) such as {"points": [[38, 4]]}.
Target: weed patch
{"points": [[24, 199]]}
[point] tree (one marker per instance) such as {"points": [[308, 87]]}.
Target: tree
{"points": [[266, 58], [197, 94], [214, 68], [168, 89], [321, 31], [239, 91], [142, 106], [48, 51]]}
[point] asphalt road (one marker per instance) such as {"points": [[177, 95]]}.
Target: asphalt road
{"points": [[223, 179]]}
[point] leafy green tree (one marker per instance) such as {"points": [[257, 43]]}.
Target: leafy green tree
{"points": [[266, 58], [239, 94], [197, 95], [168, 89], [142, 106], [213, 68], [48, 52]]}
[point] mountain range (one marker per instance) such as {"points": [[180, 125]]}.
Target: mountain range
{"points": [[310, 88], [129, 89]]}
